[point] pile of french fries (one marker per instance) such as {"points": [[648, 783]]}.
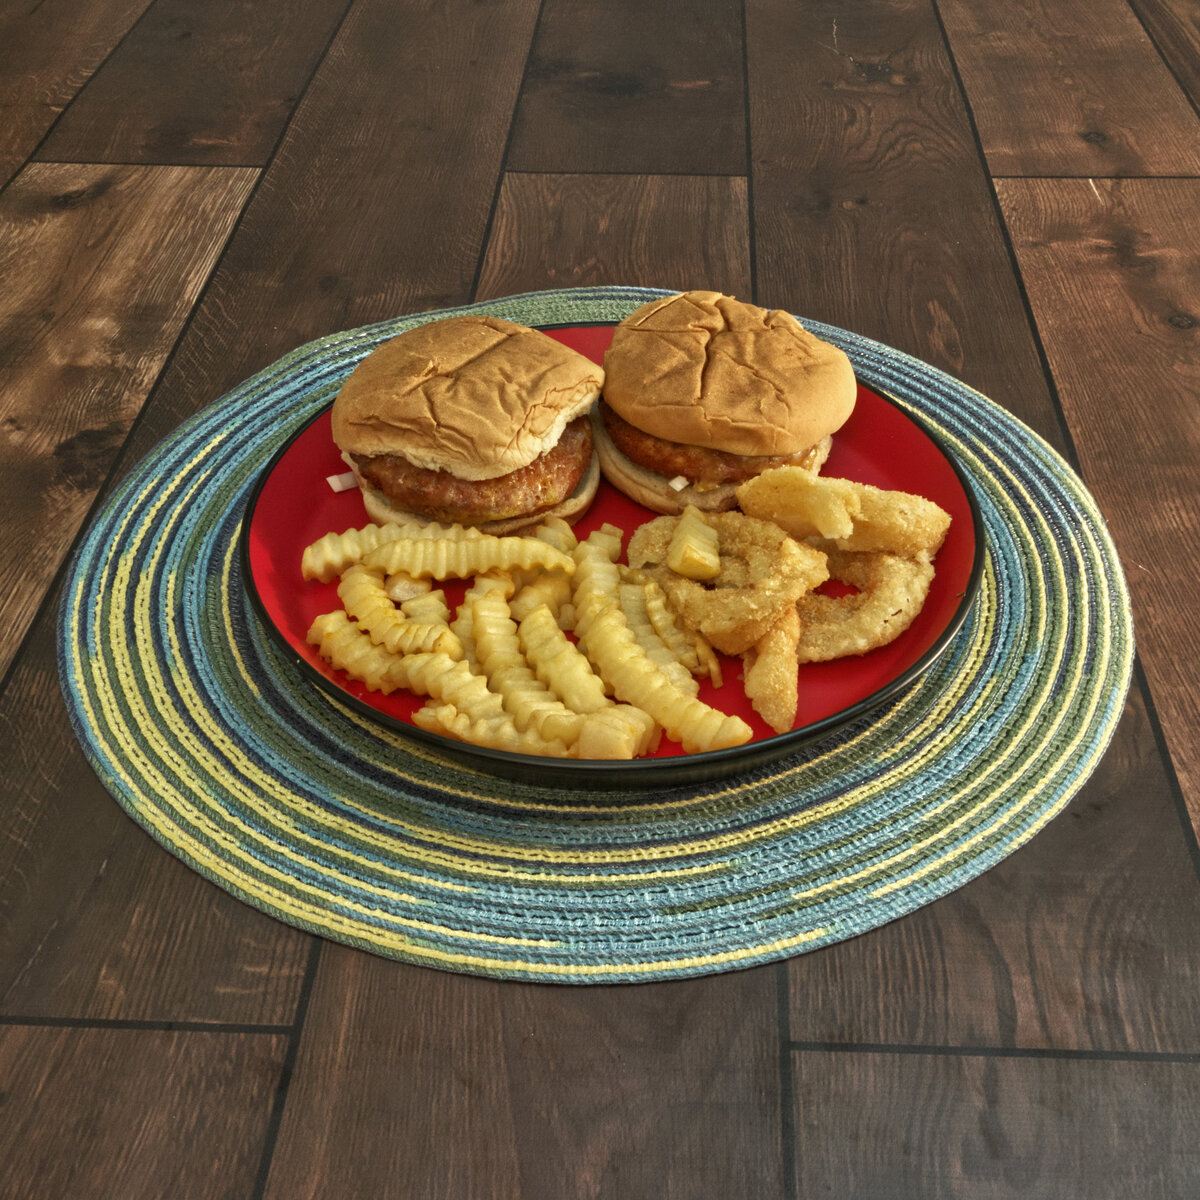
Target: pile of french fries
{"points": [[555, 649]]}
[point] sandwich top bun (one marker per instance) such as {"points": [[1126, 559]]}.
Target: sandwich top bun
{"points": [[708, 370], [475, 396], [703, 391]]}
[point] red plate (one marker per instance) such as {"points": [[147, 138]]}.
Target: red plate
{"points": [[881, 445]]}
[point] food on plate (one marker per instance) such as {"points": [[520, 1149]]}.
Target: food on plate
{"points": [[703, 392], [625, 666], [693, 551], [851, 516], [471, 420], [364, 596], [475, 453], [458, 558], [888, 593], [770, 677], [763, 572], [506, 682]]}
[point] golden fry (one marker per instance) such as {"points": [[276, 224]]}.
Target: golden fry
{"points": [[530, 702], [632, 599], [694, 550], [346, 646], [326, 558], [559, 663], [364, 596], [635, 679], [454, 558], [495, 732]]}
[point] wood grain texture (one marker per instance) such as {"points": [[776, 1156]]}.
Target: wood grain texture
{"points": [[377, 201], [450, 1086], [47, 52], [1119, 260], [625, 86], [1070, 90], [98, 921], [1068, 944], [138, 1114], [101, 266], [1174, 27], [197, 83], [871, 208], [892, 1126], [651, 231]]}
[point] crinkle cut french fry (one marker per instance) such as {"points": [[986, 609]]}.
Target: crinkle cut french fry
{"points": [[401, 587], [446, 558], [694, 550], [327, 557], [463, 623], [635, 679], [618, 731], [497, 732], [632, 599], [556, 532], [450, 681], [559, 663], [690, 648], [428, 608], [596, 580], [347, 647], [552, 588], [364, 597], [529, 701]]}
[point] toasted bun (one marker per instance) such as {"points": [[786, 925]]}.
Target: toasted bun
{"points": [[381, 510], [654, 491], [708, 370], [476, 396]]}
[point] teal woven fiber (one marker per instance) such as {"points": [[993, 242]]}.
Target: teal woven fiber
{"points": [[211, 739]]}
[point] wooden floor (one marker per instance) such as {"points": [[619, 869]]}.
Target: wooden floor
{"points": [[191, 188]]}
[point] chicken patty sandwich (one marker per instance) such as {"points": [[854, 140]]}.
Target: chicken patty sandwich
{"points": [[702, 392], [471, 420]]}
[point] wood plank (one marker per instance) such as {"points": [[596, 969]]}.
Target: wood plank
{"points": [[197, 83], [102, 265], [890, 1126], [364, 218], [134, 1113], [644, 230], [451, 1086], [1173, 28], [49, 51], [1119, 261], [870, 205], [1071, 943], [624, 86], [1059, 89], [100, 922]]}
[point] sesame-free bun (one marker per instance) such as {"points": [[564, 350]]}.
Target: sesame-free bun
{"points": [[476, 396], [708, 370]]}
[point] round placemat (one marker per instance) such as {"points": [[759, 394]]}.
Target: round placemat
{"points": [[214, 742]]}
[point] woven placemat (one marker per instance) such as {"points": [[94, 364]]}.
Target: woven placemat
{"points": [[211, 739]]}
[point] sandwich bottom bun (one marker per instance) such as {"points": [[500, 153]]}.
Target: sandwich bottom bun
{"points": [[655, 492], [382, 511]]}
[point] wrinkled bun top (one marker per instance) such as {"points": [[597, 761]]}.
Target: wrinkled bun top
{"points": [[476, 396], [708, 370]]}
